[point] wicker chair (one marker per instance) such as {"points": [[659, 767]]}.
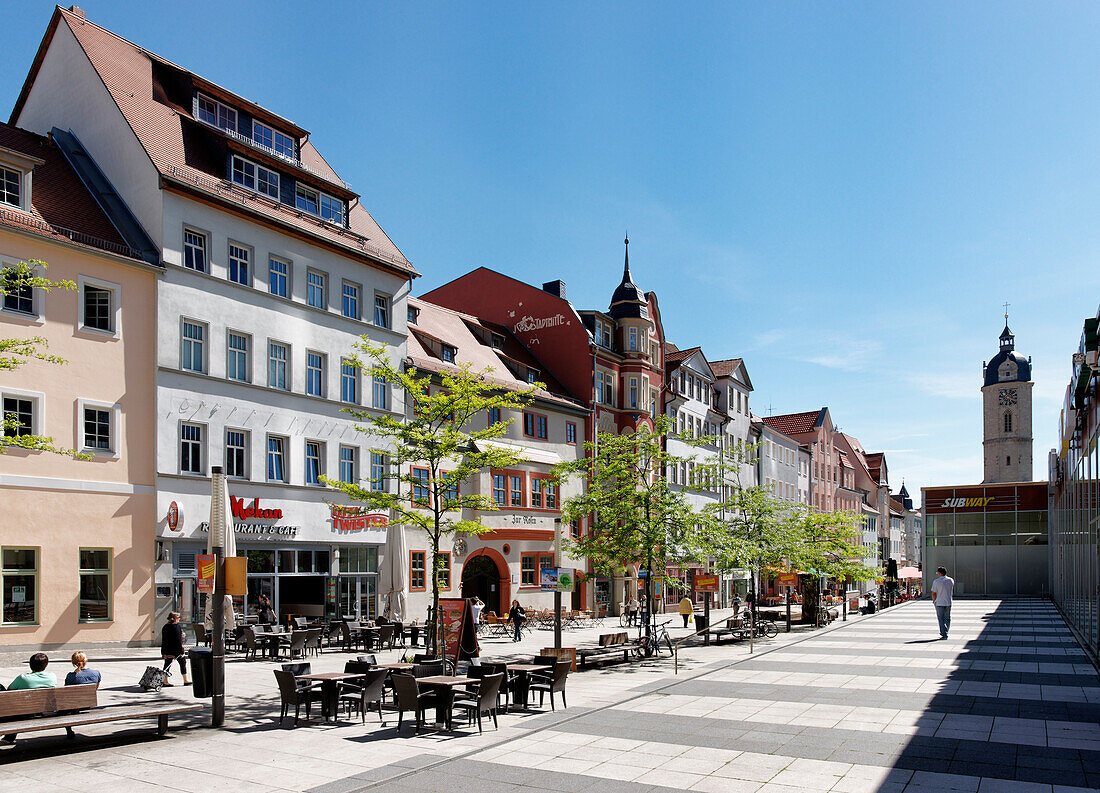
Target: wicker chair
{"points": [[551, 684], [409, 697], [291, 694], [362, 693], [486, 701]]}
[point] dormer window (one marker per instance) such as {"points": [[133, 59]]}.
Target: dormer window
{"points": [[217, 114], [254, 177], [498, 341], [11, 187], [320, 204], [532, 375], [269, 138], [449, 353], [413, 315]]}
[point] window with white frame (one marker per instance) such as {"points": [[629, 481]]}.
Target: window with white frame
{"points": [[98, 425], [99, 305], [11, 187], [237, 365], [381, 311], [350, 305], [332, 209], [191, 442], [277, 357], [633, 393], [195, 250], [217, 114], [274, 140], [381, 393], [276, 459], [348, 464], [236, 454], [278, 277], [193, 346], [19, 298], [448, 353], [605, 387], [22, 414], [378, 479], [315, 462], [349, 382], [306, 199], [315, 289], [315, 373], [240, 261]]}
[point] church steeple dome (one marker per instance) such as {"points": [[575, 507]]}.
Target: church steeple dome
{"points": [[1008, 341], [628, 301]]}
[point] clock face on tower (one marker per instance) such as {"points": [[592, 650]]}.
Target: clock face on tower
{"points": [[1007, 396]]}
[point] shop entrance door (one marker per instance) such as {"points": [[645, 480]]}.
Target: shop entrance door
{"points": [[357, 596], [480, 578], [260, 585]]}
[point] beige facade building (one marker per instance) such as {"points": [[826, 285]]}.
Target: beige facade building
{"points": [[76, 536], [1006, 414]]}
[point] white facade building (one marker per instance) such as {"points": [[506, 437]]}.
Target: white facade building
{"points": [[273, 271]]}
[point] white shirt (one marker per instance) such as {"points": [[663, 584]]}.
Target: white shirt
{"points": [[476, 609], [942, 588]]}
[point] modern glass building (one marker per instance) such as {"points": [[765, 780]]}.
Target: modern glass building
{"points": [[1075, 498], [991, 538]]}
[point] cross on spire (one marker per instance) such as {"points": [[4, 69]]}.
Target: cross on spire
{"points": [[1007, 304]]}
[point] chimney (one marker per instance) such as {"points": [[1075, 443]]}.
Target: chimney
{"points": [[556, 288], [77, 11]]}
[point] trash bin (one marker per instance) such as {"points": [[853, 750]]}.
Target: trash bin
{"points": [[202, 671], [700, 622]]}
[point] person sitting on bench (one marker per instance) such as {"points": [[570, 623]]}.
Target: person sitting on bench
{"points": [[38, 677]]}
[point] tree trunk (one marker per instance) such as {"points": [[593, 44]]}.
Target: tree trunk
{"points": [[811, 597]]}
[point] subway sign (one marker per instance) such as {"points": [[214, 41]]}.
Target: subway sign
{"points": [[957, 503]]}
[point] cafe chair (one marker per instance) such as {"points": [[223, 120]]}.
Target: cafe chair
{"points": [[410, 698], [291, 694], [367, 691], [385, 637], [545, 684], [429, 669], [313, 641], [297, 647], [248, 642], [485, 702]]}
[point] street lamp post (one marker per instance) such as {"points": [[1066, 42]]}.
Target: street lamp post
{"points": [[217, 541], [557, 589]]}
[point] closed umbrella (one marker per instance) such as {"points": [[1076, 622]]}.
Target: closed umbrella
{"points": [[228, 549], [395, 573]]}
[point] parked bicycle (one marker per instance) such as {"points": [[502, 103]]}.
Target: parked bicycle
{"points": [[651, 645]]}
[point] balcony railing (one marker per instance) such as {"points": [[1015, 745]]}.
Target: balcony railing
{"points": [[295, 161], [247, 198], [16, 218]]}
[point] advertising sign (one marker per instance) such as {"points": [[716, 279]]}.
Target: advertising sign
{"points": [[18, 594], [706, 583], [787, 579], [557, 579], [174, 516], [452, 614], [349, 519], [205, 564]]}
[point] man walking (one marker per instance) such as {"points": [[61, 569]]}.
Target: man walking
{"points": [[942, 588]]}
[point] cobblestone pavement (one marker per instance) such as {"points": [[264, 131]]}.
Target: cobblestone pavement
{"points": [[876, 704]]}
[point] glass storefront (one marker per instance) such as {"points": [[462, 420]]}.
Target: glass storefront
{"points": [[990, 552]]}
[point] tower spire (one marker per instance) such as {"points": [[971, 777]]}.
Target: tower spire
{"points": [[626, 260]]}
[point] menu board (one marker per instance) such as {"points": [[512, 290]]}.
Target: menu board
{"points": [[452, 614]]}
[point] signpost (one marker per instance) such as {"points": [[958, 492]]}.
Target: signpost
{"points": [[788, 580], [706, 583]]}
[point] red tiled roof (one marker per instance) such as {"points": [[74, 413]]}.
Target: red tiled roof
{"points": [[670, 348], [794, 423], [677, 355], [127, 72], [60, 204], [725, 368]]}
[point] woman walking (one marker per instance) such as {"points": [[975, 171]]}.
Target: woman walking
{"points": [[517, 616], [171, 646], [686, 609]]}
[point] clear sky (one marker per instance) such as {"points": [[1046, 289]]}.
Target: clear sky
{"points": [[844, 194]]}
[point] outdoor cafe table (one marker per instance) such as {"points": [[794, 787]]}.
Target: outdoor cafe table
{"points": [[446, 685], [330, 689], [271, 641], [397, 667], [522, 681]]}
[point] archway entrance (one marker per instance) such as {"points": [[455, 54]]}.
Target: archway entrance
{"points": [[481, 578]]}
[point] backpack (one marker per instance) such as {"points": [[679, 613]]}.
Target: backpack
{"points": [[153, 679]]}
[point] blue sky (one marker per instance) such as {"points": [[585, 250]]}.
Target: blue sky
{"points": [[844, 194]]}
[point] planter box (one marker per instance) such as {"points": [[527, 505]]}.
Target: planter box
{"points": [[564, 654]]}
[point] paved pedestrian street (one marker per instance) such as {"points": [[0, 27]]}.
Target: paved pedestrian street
{"points": [[1007, 703]]}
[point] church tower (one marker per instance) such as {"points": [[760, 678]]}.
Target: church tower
{"points": [[1006, 414]]}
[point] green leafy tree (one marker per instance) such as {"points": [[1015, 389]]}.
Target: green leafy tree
{"points": [[16, 352], [830, 546], [637, 518], [437, 434]]}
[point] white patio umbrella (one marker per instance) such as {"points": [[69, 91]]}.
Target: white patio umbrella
{"points": [[394, 570], [228, 549]]}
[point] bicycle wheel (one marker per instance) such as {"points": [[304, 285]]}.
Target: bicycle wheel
{"points": [[770, 630], [623, 622]]}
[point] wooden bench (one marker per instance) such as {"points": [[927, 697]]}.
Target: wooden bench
{"points": [[735, 628], [611, 644], [76, 706]]}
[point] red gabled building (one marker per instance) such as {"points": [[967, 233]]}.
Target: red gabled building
{"points": [[610, 360]]}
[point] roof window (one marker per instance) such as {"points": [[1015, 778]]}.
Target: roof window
{"points": [[216, 114]]}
